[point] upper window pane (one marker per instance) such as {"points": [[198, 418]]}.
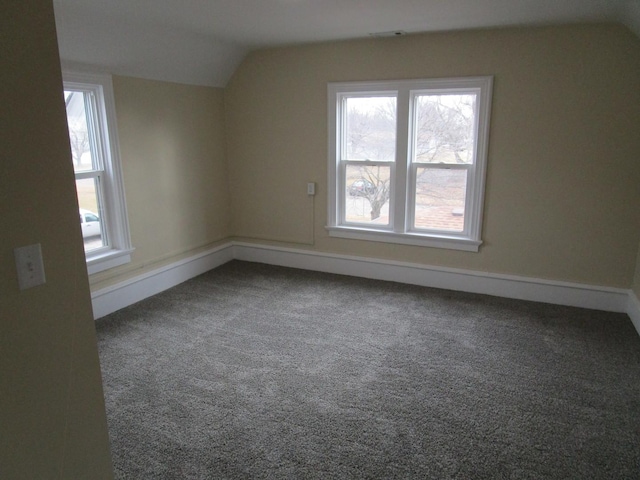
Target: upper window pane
{"points": [[79, 119], [370, 128], [444, 128]]}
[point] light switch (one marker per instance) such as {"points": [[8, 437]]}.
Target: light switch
{"points": [[29, 265], [311, 188]]}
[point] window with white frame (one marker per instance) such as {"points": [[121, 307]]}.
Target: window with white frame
{"points": [[96, 162], [407, 160]]}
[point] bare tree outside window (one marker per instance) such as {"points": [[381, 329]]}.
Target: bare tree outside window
{"points": [[78, 132], [444, 126], [370, 139], [95, 158], [79, 144], [407, 160], [444, 136], [80, 119]]}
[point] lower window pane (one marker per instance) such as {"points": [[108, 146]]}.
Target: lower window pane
{"points": [[90, 221], [440, 198], [367, 195]]}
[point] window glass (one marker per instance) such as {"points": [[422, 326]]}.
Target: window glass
{"points": [[407, 160], [444, 128], [94, 153], [88, 187], [440, 199], [367, 195], [370, 128], [80, 137]]}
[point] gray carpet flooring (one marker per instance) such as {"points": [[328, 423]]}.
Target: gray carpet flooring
{"points": [[253, 371]]}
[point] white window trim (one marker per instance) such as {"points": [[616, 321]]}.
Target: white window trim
{"points": [[400, 208], [114, 216]]}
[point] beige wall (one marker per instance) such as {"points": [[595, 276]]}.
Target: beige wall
{"points": [[52, 418], [562, 200], [174, 168], [562, 197]]}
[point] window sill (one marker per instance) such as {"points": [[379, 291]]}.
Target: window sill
{"points": [[435, 241], [106, 260]]}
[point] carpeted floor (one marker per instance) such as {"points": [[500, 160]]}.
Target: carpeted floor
{"points": [[254, 371]]}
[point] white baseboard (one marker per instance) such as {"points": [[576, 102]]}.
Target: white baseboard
{"points": [[633, 310], [123, 294], [523, 288], [126, 293]]}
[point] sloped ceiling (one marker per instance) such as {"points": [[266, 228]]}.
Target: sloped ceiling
{"points": [[201, 42]]}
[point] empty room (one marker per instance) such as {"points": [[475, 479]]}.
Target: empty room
{"points": [[295, 239]]}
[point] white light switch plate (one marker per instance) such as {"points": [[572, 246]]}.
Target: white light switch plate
{"points": [[311, 188], [29, 265]]}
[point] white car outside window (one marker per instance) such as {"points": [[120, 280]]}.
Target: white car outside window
{"points": [[90, 223]]}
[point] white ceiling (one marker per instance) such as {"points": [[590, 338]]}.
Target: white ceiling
{"points": [[202, 42]]}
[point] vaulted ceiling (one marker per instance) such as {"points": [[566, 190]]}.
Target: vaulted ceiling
{"points": [[202, 42]]}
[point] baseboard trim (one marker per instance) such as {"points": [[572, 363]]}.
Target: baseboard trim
{"points": [[133, 290], [510, 286], [633, 310], [128, 292]]}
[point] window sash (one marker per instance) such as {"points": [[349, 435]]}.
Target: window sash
{"points": [[98, 176], [344, 124], [89, 174], [412, 204], [96, 130], [342, 179], [414, 121], [106, 170]]}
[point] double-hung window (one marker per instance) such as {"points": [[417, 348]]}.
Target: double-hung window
{"points": [[407, 160], [96, 163]]}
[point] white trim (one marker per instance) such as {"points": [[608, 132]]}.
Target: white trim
{"points": [[633, 310], [112, 206], [123, 294], [509, 286], [128, 292], [436, 241], [110, 259], [402, 170]]}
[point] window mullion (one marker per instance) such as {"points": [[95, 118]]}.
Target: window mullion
{"points": [[342, 177], [399, 188], [411, 195]]}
